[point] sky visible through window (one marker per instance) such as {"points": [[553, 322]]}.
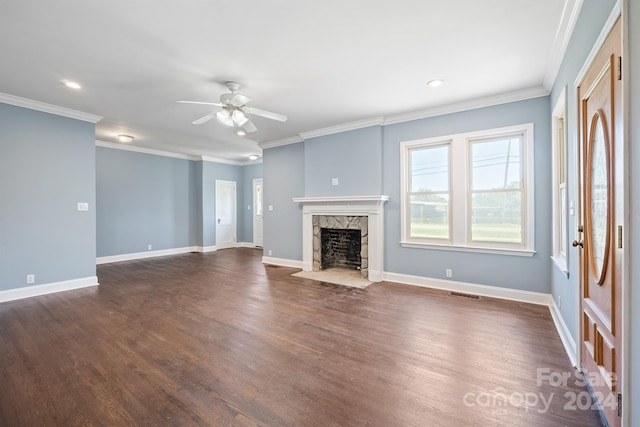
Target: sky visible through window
{"points": [[495, 165]]}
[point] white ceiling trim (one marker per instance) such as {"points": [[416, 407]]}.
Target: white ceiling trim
{"points": [[376, 121], [144, 150], [561, 41], [489, 101], [280, 142], [220, 160], [48, 108]]}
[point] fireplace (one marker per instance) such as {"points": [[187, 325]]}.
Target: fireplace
{"points": [[365, 213], [341, 241]]}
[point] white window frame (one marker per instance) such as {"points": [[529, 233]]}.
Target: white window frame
{"points": [[460, 203], [559, 140]]}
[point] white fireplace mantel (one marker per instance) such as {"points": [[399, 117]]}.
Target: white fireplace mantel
{"points": [[370, 206]]}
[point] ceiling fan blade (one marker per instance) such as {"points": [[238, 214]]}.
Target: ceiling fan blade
{"points": [[205, 118], [249, 126], [266, 114], [217, 104]]}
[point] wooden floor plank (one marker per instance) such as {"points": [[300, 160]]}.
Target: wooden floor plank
{"points": [[219, 339]]}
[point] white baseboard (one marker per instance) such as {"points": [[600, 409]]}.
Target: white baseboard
{"points": [[470, 288], [148, 254], [282, 262], [565, 335], [48, 288], [245, 245], [205, 249]]}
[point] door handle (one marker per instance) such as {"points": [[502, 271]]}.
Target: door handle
{"points": [[576, 243]]}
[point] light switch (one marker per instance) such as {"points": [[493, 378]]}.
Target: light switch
{"points": [[82, 206], [270, 208]]}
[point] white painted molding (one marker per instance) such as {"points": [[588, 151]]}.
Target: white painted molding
{"points": [[561, 41], [48, 288], [360, 124], [565, 335], [489, 101], [245, 245], [340, 199], [280, 142], [470, 288], [138, 149], [282, 262], [205, 249], [148, 254], [223, 161], [606, 29], [48, 108]]}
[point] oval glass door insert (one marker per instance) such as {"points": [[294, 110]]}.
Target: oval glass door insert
{"points": [[599, 191]]}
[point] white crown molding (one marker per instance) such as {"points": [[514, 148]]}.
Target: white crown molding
{"points": [[224, 161], [561, 40], [489, 101], [138, 149], [48, 108], [360, 124], [280, 142], [48, 288]]}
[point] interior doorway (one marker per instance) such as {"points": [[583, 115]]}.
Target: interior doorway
{"points": [[257, 212], [225, 214]]}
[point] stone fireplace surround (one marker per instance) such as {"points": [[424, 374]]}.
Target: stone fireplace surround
{"points": [[371, 207]]}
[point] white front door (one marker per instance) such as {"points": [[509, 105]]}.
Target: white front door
{"points": [[225, 214], [257, 212]]}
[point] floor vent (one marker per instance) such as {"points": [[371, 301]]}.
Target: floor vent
{"points": [[460, 294]]}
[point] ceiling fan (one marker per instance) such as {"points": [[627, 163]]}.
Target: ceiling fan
{"points": [[234, 110]]}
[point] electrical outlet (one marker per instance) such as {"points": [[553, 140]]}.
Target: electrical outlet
{"points": [[335, 181], [149, 247], [31, 278], [270, 252], [449, 273]]}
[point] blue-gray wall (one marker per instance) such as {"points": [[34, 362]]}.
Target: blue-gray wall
{"points": [[524, 273], [169, 203], [334, 156], [144, 200], [47, 166], [367, 162], [592, 17], [283, 170]]}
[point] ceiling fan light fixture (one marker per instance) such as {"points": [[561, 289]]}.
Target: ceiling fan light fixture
{"points": [[239, 118], [225, 117], [241, 132], [125, 138]]}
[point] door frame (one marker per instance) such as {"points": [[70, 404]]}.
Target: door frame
{"points": [[255, 182], [618, 12]]}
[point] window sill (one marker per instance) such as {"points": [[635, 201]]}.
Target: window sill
{"points": [[561, 264], [476, 249]]}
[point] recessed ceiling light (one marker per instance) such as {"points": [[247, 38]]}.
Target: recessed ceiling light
{"points": [[71, 84], [241, 132], [125, 138], [435, 83], [253, 157]]}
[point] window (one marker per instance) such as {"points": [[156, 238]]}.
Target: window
{"points": [[559, 179], [470, 192]]}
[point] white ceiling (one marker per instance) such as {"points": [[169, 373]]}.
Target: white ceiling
{"points": [[321, 63]]}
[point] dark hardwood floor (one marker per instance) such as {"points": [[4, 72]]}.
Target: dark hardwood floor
{"points": [[219, 339]]}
